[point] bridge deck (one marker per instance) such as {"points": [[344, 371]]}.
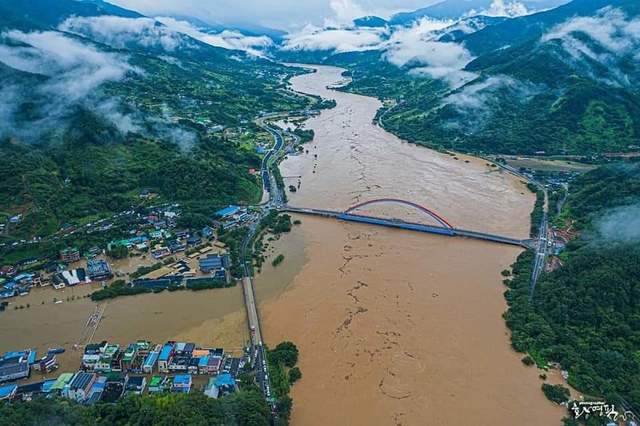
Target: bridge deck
{"points": [[418, 227]]}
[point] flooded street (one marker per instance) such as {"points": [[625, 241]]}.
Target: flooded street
{"points": [[396, 327]]}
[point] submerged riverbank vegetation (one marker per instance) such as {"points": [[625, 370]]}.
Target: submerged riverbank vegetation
{"points": [[120, 288], [283, 373], [584, 316], [274, 224], [538, 209]]}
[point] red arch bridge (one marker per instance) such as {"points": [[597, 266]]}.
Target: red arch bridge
{"points": [[442, 226]]}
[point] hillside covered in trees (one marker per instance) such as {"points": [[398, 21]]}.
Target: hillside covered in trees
{"points": [[99, 103], [585, 315], [562, 81]]}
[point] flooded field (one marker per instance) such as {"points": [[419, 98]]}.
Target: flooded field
{"points": [[210, 317], [397, 327]]}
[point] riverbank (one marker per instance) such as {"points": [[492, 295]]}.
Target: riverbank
{"points": [[395, 327]]}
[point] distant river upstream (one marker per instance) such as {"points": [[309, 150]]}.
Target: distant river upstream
{"points": [[394, 327]]}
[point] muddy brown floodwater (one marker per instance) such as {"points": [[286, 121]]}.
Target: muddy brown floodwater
{"points": [[397, 327], [210, 318]]}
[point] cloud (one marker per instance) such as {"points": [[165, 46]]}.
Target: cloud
{"points": [[282, 14], [509, 9], [335, 39], [346, 11], [610, 29], [476, 101], [166, 33], [64, 73], [74, 68], [233, 40], [603, 38], [122, 32], [620, 224], [416, 47]]}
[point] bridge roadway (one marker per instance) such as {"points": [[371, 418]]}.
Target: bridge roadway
{"points": [[418, 227]]}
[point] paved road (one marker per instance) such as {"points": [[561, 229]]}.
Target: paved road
{"points": [[540, 255], [542, 245], [253, 317]]}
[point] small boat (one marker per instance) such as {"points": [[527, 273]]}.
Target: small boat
{"points": [[55, 351]]}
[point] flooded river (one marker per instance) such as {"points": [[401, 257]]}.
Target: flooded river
{"points": [[397, 327]]}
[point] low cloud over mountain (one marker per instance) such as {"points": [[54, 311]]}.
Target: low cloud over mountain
{"points": [[56, 72]]}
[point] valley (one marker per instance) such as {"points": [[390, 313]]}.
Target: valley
{"points": [[338, 212]]}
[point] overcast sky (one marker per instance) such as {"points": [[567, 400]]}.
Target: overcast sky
{"points": [[280, 14]]}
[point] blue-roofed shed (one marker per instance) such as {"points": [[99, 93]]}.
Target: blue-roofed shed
{"points": [[166, 352], [47, 385], [203, 361], [7, 392], [182, 379], [150, 362], [225, 379], [228, 211], [182, 383]]}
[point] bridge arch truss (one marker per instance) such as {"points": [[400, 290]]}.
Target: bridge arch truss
{"points": [[438, 218]]}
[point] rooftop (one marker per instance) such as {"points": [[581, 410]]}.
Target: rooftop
{"points": [[155, 381], [225, 379], [182, 379], [228, 211], [135, 381], [151, 359], [166, 351], [7, 391], [81, 380], [62, 380]]}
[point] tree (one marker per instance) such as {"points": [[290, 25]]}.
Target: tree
{"points": [[556, 393], [118, 252], [294, 375], [283, 406], [284, 353], [527, 360]]}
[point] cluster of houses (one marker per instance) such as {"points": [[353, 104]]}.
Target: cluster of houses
{"points": [[146, 358], [232, 216], [109, 371], [154, 233], [97, 270], [18, 284], [18, 364]]}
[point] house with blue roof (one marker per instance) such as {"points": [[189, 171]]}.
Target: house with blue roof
{"points": [[166, 354], [227, 211], [220, 385], [8, 392], [150, 362], [182, 383]]}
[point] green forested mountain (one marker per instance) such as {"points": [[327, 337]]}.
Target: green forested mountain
{"points": [[47, 14], [531, 27], [564, 81], [454, 9], [83, 131], [585, 314]]}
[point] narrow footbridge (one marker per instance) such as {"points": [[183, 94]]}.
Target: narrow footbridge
{"points": [[443, 226]]}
